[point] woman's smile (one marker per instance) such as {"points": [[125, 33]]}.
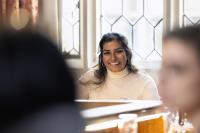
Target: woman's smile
{"points": [[114, 63], [114, 56]]}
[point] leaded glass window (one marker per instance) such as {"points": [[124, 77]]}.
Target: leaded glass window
{"points": [[70, 28], [141, 21], [191, 12]]}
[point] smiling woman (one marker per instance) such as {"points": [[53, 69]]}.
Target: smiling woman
{"points": [[115, 77]]}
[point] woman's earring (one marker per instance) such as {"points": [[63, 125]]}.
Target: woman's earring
{"points": [[102, 64]]}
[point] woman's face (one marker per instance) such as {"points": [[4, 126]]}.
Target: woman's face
{"points": [[179, 84], [114, 56]]}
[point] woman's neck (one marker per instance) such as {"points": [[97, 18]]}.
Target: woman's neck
{"points": [[117, 75]]}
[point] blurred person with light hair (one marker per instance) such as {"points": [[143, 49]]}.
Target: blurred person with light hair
{"points": [[179, 85]]}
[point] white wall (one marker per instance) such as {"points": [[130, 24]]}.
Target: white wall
{"points": [[49, 19]]}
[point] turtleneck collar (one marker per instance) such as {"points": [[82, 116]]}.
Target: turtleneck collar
{"points": [[117, 75]]}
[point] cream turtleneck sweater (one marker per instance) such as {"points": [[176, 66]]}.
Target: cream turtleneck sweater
{"points": [[119, 85]]}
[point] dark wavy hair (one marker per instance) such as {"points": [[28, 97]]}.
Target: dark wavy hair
{"points": [[101, 71]]}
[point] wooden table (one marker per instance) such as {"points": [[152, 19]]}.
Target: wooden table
{"points": [[109, 123]]}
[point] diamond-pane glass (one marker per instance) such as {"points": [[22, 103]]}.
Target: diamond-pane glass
{"points": [[133, 10], [112, 9], [191, 12], [105, 26], [70, 28], [152, 12], [143, 42], [158, 38], [124, 28], [141, 21]]}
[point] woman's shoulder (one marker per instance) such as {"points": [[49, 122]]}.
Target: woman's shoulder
{"points": [[143, 76], [88, 75]]}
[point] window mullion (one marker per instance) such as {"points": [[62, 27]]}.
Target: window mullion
{"points": [[91, 33]]}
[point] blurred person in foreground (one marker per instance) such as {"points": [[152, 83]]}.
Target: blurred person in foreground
{"points": [[179, 85], [37, 90]]}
